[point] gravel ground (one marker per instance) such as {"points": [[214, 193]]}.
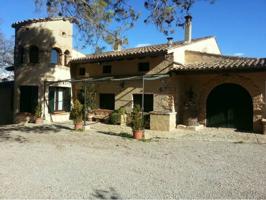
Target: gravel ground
{"points": [[56, 162]]}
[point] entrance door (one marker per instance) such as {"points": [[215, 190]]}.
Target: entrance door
{"points": [[230, 105], [28, 98]]}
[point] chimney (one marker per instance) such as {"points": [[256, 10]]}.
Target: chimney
{"points": [[170, 41], [188, 28], [117, 45]]}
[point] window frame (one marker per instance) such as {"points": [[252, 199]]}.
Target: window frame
{"points": [[58, 56], [55, 99]]}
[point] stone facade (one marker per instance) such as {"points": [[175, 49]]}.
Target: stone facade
{"points": [[165, 93], [44, 36]]}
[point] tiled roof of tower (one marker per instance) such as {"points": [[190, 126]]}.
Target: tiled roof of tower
{"points": [[214, 63], [30, 21], [139, 51]]}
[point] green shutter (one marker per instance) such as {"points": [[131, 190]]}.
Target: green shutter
{"points": [[51, 100], [67, 100]]}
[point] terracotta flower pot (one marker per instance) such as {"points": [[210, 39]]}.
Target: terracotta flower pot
{"points": [[38, 120], [138, 134], [78, 126]]}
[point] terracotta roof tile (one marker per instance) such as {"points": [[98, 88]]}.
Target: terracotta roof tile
{"points": [[213, 62], [30, 21], [132, 52]]}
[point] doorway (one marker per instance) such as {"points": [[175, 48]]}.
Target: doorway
{"points": [[230, 106]]}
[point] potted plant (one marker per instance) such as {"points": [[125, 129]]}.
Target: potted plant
{"points": [[137, 123], [76, 115], [38, 114]]}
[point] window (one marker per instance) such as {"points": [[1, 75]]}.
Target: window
{"points": [[20, 55], [144, 67], [59, 99], [55, 57], [28, 98], [66, 57], [148, 101], [107, 101], [82, 71], [107, 69], [34, 54]]}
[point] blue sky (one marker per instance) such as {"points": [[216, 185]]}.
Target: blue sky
{"points": [[239, 25]]}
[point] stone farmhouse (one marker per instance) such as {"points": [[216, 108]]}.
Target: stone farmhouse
{"points": [[185, 82]]}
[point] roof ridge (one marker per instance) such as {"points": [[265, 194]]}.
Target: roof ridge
{"points": [[175, 44], [35, 20], [223, 56]]}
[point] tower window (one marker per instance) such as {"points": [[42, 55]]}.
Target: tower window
{"points": [[34, 54], [20, 55], [55, 56], [66, 57]]}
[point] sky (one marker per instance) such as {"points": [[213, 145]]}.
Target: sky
{"points": [[238, 25]]}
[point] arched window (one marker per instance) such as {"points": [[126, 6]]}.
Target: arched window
{"points": [[34, 54], [20, 55], [55, 56], [66, 57]]}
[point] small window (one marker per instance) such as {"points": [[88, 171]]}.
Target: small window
{"points": [[107, 101], [107, 69], [55, 56], [34, 54], [144, 67], [82, 71], [20, 55], [66, 57]]}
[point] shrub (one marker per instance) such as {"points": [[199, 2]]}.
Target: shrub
{"points": [[136, 117], [115, 118], [76, 113], [38, 111]]}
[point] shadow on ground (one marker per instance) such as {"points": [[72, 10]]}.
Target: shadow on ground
{"points": [[12, 138], [122, 134], [106, 194], [40, 129], [12, 132]]}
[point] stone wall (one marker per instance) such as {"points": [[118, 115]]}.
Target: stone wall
{"points": [[202, 84], [46, 36]]}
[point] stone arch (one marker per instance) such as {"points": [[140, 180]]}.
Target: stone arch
{"points": [[248, 84], [56, 56], [67, 57]]}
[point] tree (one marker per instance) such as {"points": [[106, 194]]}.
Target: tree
{"points": [[107, 20], [6, 55]]}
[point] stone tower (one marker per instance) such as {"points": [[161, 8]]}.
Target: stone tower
{"points": [[43, 48]]}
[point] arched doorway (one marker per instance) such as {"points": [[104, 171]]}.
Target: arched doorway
{"points": [[230, 105]]}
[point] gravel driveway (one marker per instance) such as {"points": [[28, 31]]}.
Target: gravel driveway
{"points": [[56, 162]]}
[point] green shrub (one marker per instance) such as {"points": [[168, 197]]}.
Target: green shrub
{"points": [[115, 118], [38, 111], [76, 113], [136, 117]]}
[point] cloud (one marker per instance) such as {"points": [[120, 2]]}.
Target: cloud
{"points": [[239, 54], [143, 45]]}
